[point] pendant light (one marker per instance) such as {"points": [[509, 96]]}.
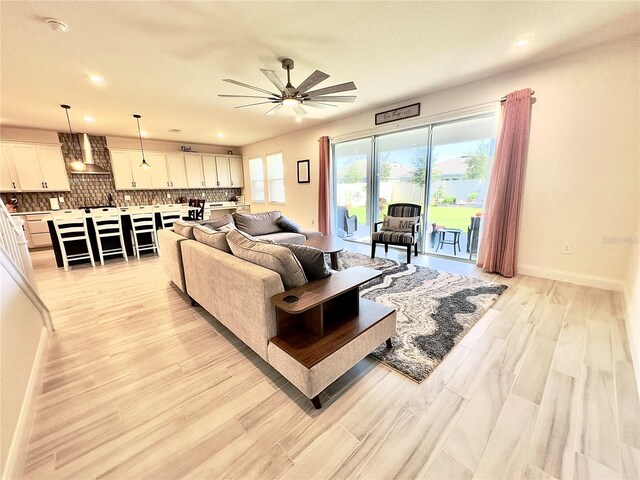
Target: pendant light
{"points": [[77, 164], [144, 163]]}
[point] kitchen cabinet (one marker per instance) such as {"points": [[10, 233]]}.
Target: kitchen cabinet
{"points": [[36, 231], [8, 179], [158, 170], [236, 171], [224, 172], [195, 176], [127, 172], [37, 167], [177, 170], [209, 168]]}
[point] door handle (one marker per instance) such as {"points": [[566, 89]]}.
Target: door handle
{"points": [[14, 184], [46, 185], [42, 183], [172, 184], [167, 184], [218, 183], [232, 183]]}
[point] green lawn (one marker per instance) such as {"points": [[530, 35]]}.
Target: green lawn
{"points": [[450, 217]]}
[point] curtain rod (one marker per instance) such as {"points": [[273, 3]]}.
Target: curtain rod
{"points": [[504, 99]]}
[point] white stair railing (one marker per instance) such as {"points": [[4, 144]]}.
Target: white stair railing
{"points": [[15, 244]]}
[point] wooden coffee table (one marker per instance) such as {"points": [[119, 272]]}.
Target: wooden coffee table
{"points": [[328, 244]]}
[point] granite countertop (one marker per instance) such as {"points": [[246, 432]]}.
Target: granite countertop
{"points": [[224, 206], [41, 212]]}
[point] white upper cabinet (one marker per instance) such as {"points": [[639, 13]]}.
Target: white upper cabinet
{"points": [[237, 174], [37, 167], [158, 170], [209, 167], [127, 172], [177, 170], [224, 172], [8, 179], [195, 176], [54, 172]]}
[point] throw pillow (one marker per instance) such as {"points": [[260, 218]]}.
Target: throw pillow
{"points": [[225, 228], [274, 257], [287, 224], [399, 224], [257, 223], [184, 228], [312, 260], [213, 238], [218, 222]]}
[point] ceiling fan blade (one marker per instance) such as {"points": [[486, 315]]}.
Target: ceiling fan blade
{"points": [[311, 81], [324, 106], [273, 78], [248, 96], [235, 82], [349, 99], [343, 87], [299, 110], [252, 104], [274, 109]]}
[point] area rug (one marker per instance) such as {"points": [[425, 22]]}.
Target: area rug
{"points": [[434, 310]]}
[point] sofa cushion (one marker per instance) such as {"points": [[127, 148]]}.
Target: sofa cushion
{"points": [[213, 238], [218, 222], [309, 234], [287, 224], [257, 223], [284, 237], [274, 257], [184, 228], [312, 260]]}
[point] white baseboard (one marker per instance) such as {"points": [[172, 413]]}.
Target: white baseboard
{"points": [[16, 456], [572, 277], [635, 354]]}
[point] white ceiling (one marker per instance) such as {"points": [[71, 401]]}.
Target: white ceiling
{"points": [[166, 60]]}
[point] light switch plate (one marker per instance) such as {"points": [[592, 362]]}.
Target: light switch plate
{"points": [[127, 198], [61, 199], [168, 195], [203, 195]]}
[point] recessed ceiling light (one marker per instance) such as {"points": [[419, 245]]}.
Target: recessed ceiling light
{"points": [[96, 79], [56, 25], [144, 134], [220, 135], [89, 119], [298, 119], [522, 42]]}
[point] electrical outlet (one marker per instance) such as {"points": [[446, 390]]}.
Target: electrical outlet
{"points": [[127, 198], [168, 195], [567, 248], [204, 194], [61, 199], [313, 222]]}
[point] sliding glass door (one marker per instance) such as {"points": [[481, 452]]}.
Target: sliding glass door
{"points": [[401, 161], [442, 167], [460, 162], [353, 189]]}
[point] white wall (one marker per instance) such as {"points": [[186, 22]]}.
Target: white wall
{"points": [[21, 332], [582, 176]]}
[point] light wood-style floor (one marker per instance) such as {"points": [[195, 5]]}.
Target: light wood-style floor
{"points": [[138, 384]]}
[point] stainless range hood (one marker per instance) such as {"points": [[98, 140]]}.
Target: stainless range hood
{"points": [[89, 167]]}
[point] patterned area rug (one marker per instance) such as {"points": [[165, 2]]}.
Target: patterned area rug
{"points": [[434, 310]]}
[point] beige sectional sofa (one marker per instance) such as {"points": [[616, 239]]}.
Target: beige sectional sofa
{"points": [[238, 294]]}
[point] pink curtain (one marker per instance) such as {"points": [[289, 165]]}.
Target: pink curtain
{"points": [[324, 188], [502, 212]]}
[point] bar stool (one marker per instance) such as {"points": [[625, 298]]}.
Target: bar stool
{"points": [[71, 226], [143, 229], [108, 224], [168, 214]]}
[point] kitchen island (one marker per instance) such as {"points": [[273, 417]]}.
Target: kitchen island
{"points": [[212, 210]]}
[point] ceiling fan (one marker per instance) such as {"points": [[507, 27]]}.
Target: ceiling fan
{"points": [[298, 96]]}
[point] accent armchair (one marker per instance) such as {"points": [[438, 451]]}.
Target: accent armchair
{"points": [[406, 237]]}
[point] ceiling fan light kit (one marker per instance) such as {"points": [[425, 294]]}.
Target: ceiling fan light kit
{"points": [[296, 97]]}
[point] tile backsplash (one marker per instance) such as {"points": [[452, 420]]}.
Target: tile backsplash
{"points": [[92, 190]]}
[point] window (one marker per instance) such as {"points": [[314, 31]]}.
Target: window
{"points": [[256, 176], [275, 176]]}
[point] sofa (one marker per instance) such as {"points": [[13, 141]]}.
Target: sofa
{"points": [[238, 293]]}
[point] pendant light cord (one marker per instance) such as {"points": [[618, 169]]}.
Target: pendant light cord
{"points": [[140, 136], [66, 110]]}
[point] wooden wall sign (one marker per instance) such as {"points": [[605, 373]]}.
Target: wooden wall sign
{"points": [[398, 114]]}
